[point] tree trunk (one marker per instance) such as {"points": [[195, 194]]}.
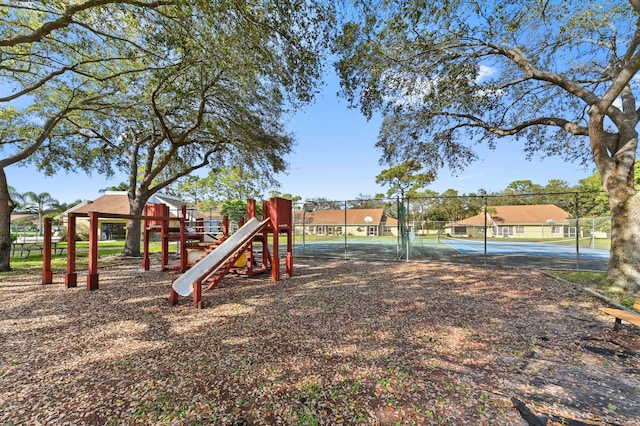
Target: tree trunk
{"points": [[6, 207], [134, 228], [624, 263], [615, 155]]}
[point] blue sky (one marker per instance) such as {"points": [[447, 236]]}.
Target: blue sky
{"points": [[335, 158]]}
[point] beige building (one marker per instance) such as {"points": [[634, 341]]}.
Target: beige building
{"points": [[527, 221], [353, 222]]}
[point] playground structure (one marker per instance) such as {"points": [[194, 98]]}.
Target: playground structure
{"points": [[212, 268], [187, 238], [223, 253], [71, 276]]}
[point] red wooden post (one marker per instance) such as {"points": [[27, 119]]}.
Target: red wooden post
{"points": [[70, 277], [275, 256], [197, 294], [285, 216], [145, 256], [183, 240], [92, 278], [289, 266], [251, 213], [173, 297], [165, 239], [225, 226], [265, 237], [251, 208], [47, 273]]}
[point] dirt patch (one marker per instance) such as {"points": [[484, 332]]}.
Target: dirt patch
{"points": [[339, 343]]}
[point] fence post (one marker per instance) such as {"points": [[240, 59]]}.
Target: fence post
{"points": [[406, 228], [346, 245], [399, 230], [485, 231], [577, 231]]}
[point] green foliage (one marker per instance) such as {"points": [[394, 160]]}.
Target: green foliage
{"points": [[404, 179], [447, 77], [364, 201], [593, 200], [453, 206], [294, 198], [321, 203], [156, 88], [122, 186], [234, 209]]}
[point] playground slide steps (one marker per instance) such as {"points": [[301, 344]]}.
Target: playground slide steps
{"points": [[219, 274], [219, 257]]}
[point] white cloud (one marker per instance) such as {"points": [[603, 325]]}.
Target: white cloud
{"points": [[485, 72]]}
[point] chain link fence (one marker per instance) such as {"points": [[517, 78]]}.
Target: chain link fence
{"points": [[551, 230]]}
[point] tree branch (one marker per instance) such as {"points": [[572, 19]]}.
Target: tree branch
{"points": [[27, 151], [37, 85], [566, 125], [205, 161], [67, 18]]}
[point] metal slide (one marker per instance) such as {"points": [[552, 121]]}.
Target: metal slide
{"points": [[208, 265]]}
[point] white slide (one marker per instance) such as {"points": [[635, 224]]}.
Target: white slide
{"points": [[208, 265]]}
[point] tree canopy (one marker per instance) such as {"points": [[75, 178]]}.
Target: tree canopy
{"points": [[404, 179], [155, 88], [556, 76]]}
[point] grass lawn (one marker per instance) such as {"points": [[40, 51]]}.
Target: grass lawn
{"points": [[33, 263], [594, 281]]}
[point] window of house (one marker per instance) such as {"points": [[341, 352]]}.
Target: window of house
{"points": [[319, 230], [338, 230], [372, 231], [506, 231], [459, 230], [557, 229], [113, 231], [519, 229], [570, 231], [329, 230]]}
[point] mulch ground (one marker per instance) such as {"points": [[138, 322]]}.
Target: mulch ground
{"points": [[339, 343]]}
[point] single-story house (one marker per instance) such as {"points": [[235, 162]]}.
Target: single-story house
{"points": [[117, 202], [24, 222], [354, 222], [524, 221]]}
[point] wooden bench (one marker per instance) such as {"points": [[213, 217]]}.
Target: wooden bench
{"points": [[621, 314]]}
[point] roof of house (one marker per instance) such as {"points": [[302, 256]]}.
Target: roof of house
{"points": [[117, 202], [25, 216], [520, 215], [343, 217]]}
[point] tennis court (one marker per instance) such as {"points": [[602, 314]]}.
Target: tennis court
{"points": [[544, 255], [562, 249]]}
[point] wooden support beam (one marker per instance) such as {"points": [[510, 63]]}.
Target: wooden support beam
{"points": [[47, 272]]}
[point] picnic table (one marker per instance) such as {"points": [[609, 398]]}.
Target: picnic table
{"points": [[24, 246]]}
